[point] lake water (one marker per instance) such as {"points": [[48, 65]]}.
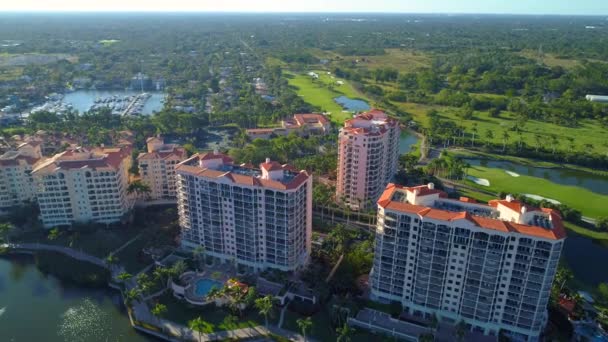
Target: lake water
{"points": [[352, 105], [42, 308], [406, 141], [584, 256], [82, 100], [587, 180]]}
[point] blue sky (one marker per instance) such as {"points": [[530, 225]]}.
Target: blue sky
{"points": [[579, 7]]}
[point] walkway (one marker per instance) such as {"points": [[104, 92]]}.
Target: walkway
{"points": [[78, 255], [116, 251]]}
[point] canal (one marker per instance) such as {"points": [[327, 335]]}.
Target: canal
{"points": [[39, 307]]}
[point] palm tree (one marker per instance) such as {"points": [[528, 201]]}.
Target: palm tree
{"points": [[489, 136], [124, 277], [538, 141], [474, 129], [434, 323], [131, 295], [199, 325], [505, 138], [158, 311], [344, 333], [198, 253], [554, 142], [264, 306], [304, 324], [112, 259], [460, 331], [139, 188]]}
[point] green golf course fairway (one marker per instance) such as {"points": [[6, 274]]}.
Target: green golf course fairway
{"points": [[318, 94], [589, 203]]}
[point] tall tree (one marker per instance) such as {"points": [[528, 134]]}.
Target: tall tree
{"points": [[264, 306], [304, 324]]}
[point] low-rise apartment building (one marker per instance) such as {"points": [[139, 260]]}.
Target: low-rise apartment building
{"points": [[157, 167], [255, 217], [490, 266], [301, 124], [368, 155], [81, 185]]}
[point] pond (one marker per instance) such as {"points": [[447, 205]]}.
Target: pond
{"points": [[563, 176], [36, 307], [82, 100], [352, 105], [406, 141], [581, 254]]}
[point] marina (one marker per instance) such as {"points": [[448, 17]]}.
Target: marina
{"points": [[119, 102]]}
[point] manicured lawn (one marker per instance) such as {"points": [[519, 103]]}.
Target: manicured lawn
{"points": [[182, 312], [590, 233], [317, 93], [130, 257], [589, 203], [321, 329], [588, 131], [403, 60]]}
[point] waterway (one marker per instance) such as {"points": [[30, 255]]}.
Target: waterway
{"points": [[82, 100], [590, 181], [406, 141], [352, 105], [38, 307], [583, 256]]}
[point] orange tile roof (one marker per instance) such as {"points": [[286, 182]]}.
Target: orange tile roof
{"points": [[238, 178], [556, 233]]}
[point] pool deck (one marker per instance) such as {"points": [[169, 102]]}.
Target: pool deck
{"points": [[215, 273]]}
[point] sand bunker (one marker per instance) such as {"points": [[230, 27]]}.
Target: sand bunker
{"points": [[480, 181], [512, 174], [540, 198]]}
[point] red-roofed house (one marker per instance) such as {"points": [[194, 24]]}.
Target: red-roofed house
{"points": [[490, 266], [256, 217]]}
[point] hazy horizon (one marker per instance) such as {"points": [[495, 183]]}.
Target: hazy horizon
{"points": [[475, 7]]}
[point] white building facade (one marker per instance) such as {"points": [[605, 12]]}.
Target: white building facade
{"points": [[368, 155], [16, 182], [157, 168], [81, 186], [258, 218], [490, 266]]}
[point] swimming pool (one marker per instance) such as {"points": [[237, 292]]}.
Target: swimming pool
{"points": [[203, 286]]}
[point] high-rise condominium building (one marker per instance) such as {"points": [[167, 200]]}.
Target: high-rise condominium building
{"points": [[16, 183], [259, 218], [157, 167], [489, 265], [80, 185], [367, 158]]}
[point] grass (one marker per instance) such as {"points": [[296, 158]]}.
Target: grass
{"points": [[550, 60], [589, 233], [404, 60], [182, 312], [523, 161], [588, 131], [130, 258], [589, 203], [321, 329], [318, 93]]}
